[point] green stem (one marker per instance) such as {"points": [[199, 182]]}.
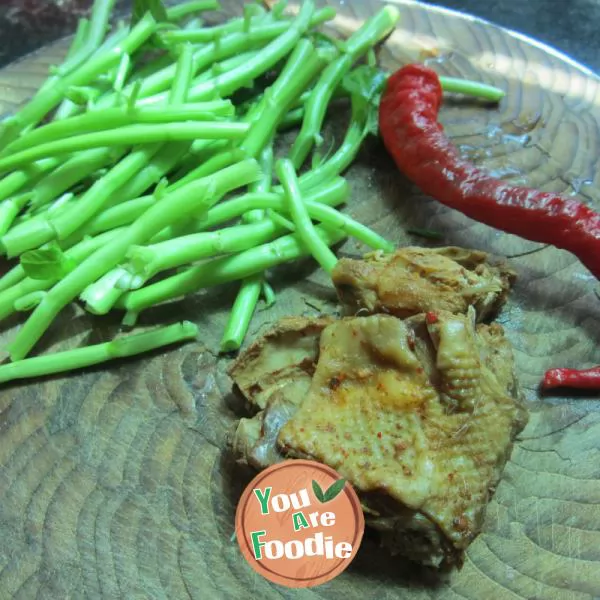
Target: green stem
{"points": [[268, 293], [180, 11], [30, 174], [184, 72], [304, 225], [35, 232], [119, 215], [152, 89], [98, 26], [210, 34], [162, 163], [241, 314], [292, 119], [122, 73], [301, 68], [15, 284], [263, 185], [147, 261], [113, 118], [371, 32], [37, 108], [471, 88], [9, 209], [80, 358], [223, 270], [210, 166], [171, 208], [12, 277], [339, 162], [74, 170], [226, 84], [128, 136], [333, 193]]}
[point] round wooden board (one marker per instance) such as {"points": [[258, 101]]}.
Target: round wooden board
{"points": [[116, 483]]}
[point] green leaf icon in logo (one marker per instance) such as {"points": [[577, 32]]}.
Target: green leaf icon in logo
{"points": [[334, 491], [318, 491]]}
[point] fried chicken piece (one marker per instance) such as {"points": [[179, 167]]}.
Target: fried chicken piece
{"points": [[274, 374], [422, 438], [415, 280], [287, 354]]}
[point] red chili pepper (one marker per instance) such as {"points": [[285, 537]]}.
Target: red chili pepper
{"points": [[408, 121], [413, 136], [431, 318], [588, 379]]}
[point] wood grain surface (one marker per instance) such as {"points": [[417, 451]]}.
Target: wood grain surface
{"points": [[116, 483]]}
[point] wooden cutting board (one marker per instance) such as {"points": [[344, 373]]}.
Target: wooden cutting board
{"points": [[116, 483]]}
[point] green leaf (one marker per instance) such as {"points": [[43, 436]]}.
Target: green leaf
{"points": [[365, 86], [155, 7], [48, 262], [335, 489], [318, 491]]}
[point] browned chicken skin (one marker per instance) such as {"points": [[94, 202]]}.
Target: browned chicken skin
{"points": [[418, 414], [415, 280]]}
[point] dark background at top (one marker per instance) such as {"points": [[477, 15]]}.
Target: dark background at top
{"points": [[569, 25]]}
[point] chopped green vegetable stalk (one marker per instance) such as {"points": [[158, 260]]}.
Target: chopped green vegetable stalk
{"points": [[266, 161], [304, 226], [180, 11], [35, 232], [471, 88], [9, 209], [292, 119], [113, 118], [210, 34], [80, 358], [147, 261], [129, 135], [241, 314], [102, 295], [182, 81], [152, 89], [83, 27], [30, 174], [198, 195], [282, 221], [122, 72], [170, 154], [318, 211], [210, 166], [332, 193], [11, 278], [227, 83], [369, 34], [20, 285], [301, 68], [119, 215], [263, 185], [48, 98], [268, 293], [226, 269], [89, 42], [161, 163], [72, 171], [29, 302]]}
